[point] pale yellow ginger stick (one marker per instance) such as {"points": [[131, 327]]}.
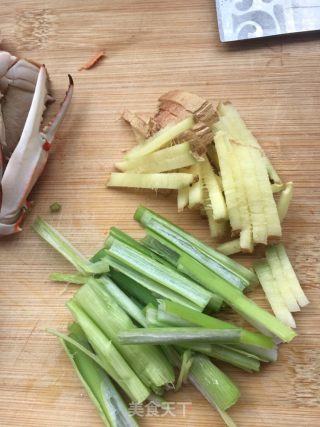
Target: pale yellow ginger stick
{"points": [[171, 158], [280, 279], [268, 202], [229, 248], [161, 138], [261, 201], [224, 152], [245, 157], [182, 198], [217, 229], [276, 188], [246, 238], [196, 189], [216, 197], [213, 156], [243, 133], [291, 276], [231, 119], [171, 181], [284, 200], [273, 294]]}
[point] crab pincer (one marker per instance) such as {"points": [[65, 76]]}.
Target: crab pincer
{"points": [[29, 157]]}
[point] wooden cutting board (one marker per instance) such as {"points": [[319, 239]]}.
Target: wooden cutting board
{"points": [[152, 47]]}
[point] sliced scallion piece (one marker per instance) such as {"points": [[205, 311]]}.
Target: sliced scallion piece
{"points": [[157, 272], [186, 364], [108, 401], [128, 240], [184, 242], [112, 361], [147, 361], [153, 286], [229, 355], [172, 335], [236, 300], [77, 279], [133, 288], [123, 300], [65, 248], [217, 388], [201, 319]]}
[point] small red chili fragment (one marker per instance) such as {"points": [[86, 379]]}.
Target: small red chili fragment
{"points": [[93, 61], [46, 146]]}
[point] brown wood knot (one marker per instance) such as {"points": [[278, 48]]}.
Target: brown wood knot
{"points": [[33, 29]]}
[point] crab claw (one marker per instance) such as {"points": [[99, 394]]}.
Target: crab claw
{"points": [[30, 156]]}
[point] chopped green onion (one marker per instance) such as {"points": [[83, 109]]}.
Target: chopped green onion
{"points": [[117, 234], [55, 207], [186, 364], [156, 245], [159, 273], [199, 347], [147, 361], [212, 383], [215, 386], [226, 417], [171, 335], [201, 319], [229, 355], [123, 300], [61, 244], [133, 288], [263, 354], [236, 299], [171, 319], [77, 279], [153, 286], [226, 353], [112, 361], [151, 316], [104, 395], [185, 243]]}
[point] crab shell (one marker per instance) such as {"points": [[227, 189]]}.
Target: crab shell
{"points": [[30, 153]]}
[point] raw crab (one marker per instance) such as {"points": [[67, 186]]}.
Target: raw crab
{"points": [[24, 148]]}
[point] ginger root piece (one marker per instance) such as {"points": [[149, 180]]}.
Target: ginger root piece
{"points": [[202, 110], [143, 124], [164, 118], [200, 137], [175, 109]]}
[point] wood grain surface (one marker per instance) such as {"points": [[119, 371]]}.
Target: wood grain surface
{"points": [[152, 47]]}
